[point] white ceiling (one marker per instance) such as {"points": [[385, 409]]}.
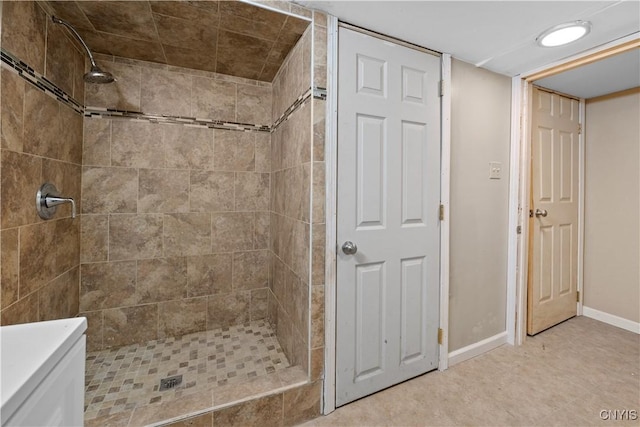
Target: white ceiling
{"points": [[497, 35], [613, 74]]}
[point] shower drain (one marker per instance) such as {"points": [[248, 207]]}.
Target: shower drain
{"points": [[170, 382]]}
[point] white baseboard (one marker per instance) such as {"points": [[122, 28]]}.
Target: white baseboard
{"points": [[611, 319], [476, 349]]}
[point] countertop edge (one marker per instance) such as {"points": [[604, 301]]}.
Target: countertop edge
{"points": [[74, 328]]}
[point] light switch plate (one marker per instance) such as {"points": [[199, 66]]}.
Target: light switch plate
{"points": [[495, 170]]}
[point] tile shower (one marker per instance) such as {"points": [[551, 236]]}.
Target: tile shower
{"points": [[199, 248]]}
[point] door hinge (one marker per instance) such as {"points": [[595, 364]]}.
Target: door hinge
{"points": [[579, 128], [577, 296], [519, 229], [440, 332], [441, 213], [441, 88]]}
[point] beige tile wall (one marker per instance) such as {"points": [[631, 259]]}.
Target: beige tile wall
{"points": [[318, 206], [291, 167], [162, 89], [230, 37], [175, 219], [297, 219], [283, 408], [41, 140], [136, 269]]}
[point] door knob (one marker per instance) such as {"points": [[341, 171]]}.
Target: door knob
{"points": [[541, 213], [349, 248]]}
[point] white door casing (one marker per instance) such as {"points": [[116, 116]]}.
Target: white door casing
{"points": [[552, 286], [388, 205]]}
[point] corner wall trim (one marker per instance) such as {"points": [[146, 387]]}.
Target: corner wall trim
{"points": [[514, 212], [611, 319], [476, 349], [331, 191], [445, 200]]}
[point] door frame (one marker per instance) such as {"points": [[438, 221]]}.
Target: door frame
{"points": [[331, 190], [520, 181]]}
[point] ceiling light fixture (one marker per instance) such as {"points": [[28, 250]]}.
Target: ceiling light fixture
{"points": [[564, 33]]}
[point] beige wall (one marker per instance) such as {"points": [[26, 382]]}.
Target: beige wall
{"points": [[41, 141], [480, 132], [612, 200]]}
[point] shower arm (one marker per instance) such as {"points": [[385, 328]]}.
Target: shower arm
{"points": [[77, 36]]}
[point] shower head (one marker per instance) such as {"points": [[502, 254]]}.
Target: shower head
{"points": [[95, 75]]}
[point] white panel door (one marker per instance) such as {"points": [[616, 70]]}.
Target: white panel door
{"points": [[388, 200], [552, 288]]}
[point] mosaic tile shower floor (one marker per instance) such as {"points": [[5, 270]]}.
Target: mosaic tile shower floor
{"points": [[122, 379]]}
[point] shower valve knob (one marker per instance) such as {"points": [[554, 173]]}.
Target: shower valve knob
{"points": [[47, 200]]}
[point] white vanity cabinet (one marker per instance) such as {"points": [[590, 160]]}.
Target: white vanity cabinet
{"points": [[42, 373]]}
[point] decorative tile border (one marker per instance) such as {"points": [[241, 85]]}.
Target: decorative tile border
{"points": [[215, 124], [39, 81], [176, 120], [299, 102], [320, 93]]}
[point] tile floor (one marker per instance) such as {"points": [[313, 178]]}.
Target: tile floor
{"points": [[119, 380], [564, 376]]}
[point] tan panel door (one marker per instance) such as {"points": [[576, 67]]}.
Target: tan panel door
{"points": [[552, 288]]}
